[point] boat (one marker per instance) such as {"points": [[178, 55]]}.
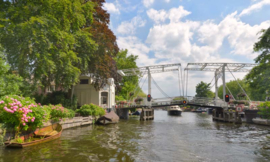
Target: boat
{"points": [[200, 110], [174, 110], [109, 118], [41, 135], [137, 113]]}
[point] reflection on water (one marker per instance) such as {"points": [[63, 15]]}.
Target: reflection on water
{"points": [[190, 137]]}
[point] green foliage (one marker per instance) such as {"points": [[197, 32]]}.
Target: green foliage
{"points": [[91, 110], [128, 83], [9, 83], [48, 42], [57, 97], [179, 98], [2, 136], [258, 78], [264, 110], [234, 88], [203, 90], [21, 113], [58, 112]]}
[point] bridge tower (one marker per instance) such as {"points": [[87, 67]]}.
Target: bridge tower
{"points": [[219, 69], [149, 70]]}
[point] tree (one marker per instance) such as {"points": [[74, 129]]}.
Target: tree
{"points": [[9, 83], [48, 40], [234, 88], [128, 83], [102, 65], [203, 90], [258, 78]]}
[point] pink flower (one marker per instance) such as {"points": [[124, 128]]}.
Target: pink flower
{"points": [[23, 124], [39, 104], [1, 102]]}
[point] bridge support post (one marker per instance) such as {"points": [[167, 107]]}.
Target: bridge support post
{"points": [[149, 86], [216, 86], [223, 80], [122, 113], [147, 114]]}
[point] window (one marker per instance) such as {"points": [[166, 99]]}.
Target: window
{"points": [[104, 97], [84, 81]]}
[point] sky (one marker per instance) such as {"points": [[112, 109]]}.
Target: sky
{"points": [[188, 31]]}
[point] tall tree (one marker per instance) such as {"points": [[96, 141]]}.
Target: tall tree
{"points": [[47, 40], [129, 84], [203, 90], [258, 78], [102, 65]]}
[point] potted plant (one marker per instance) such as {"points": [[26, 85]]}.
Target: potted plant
{"points": [[138, 100]]}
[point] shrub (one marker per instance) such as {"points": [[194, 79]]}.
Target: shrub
{"points": [[264, 110], [58, 112], [91, 110], [21, 113]]}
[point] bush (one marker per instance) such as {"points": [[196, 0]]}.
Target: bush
{"points": [[91, 110], [264, 110], [21, 113], [57, 97]]}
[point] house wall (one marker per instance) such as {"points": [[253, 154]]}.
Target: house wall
{"points": [[87, 94]]}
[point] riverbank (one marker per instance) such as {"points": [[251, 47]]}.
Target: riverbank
{"points": [[66, 123]]}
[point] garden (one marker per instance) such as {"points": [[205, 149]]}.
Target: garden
{"points": [[24, 114]]}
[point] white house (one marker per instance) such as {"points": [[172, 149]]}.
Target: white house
{"points": [[86, 93]]}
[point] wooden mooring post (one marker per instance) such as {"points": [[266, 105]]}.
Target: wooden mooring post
{"points": [[147, 114], [226, 116]]}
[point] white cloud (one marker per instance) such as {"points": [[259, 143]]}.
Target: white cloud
{"points": [[167, 1], [191, 41], [255, 7], [136, 47], [174, 14], [130, 27], [157, 16], [111, 8], [240, 36], [148, 3]]}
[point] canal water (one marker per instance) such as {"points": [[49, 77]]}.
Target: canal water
{"points": [[189, 138]]}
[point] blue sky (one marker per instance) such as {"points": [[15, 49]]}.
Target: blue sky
{"points": [[182, 31]]}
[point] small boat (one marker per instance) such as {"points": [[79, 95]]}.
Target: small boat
{"points": [[41, 135], [137, 113], [174, 110], [200, 110], [109, 118]]}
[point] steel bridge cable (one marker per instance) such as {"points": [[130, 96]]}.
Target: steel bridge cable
{"points": [[186, 83], [179, 82], [239, 84], [181, 76], [160, 88], [138, 85]]}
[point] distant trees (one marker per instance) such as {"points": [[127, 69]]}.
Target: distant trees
{"points": [[234, 88], [203, 90]]}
